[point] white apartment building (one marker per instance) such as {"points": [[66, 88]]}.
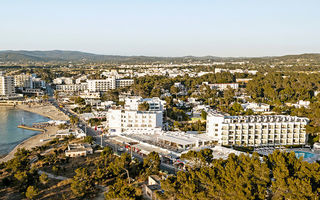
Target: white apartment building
{"points": [[38, 83], [81, 79], [110, 83], [260, 130], [72, 87], [102, 85], [90, 95], [130, 121], [63, 80], [124, 82], [7, 86], [222, 86], [256, 107], [98, 85], [23, 81], [301, 104], [133, 102]]}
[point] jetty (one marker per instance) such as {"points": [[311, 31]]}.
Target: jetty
{"points": [[31, 128]]}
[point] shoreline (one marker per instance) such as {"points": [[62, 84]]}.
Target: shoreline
{"points": [[48, 111], [31, 142]]}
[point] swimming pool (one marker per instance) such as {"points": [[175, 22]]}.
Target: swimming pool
{"points": [[304, 154]]}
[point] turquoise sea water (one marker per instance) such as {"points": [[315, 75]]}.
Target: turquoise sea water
{"points": [[10, 135]]}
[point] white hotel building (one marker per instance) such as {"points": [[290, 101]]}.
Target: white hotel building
{"points": [[72, 87], [97, 85], [131, 121], [260, 130], [103, 85]]}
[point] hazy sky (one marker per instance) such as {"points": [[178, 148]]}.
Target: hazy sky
{"points": [[162, 28]]}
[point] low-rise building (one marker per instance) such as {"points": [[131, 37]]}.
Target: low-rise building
{"points": [[63, 80], [222, 86], [181, 141], [256, 107], [72, 87], [31, 91], [77, 150], [301, 104], [133, 102], [152, 186], [90, 95]]}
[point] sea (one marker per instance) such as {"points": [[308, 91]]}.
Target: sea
{"points": [[10, 134]]}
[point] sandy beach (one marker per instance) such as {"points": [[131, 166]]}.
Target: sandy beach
{"points": [[46, 111], [32, 142]]}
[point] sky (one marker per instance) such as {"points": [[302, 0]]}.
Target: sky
{"points": [[162, 27]]}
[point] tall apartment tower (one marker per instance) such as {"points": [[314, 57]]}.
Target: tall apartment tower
{"points": [[7, 85]]}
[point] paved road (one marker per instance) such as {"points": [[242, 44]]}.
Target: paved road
{"points": [[91, 132], [61, 178]]}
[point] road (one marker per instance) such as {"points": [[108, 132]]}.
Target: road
{"points": [[91, 132]]}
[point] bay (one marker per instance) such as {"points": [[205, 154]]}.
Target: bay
{"points": [[10, 134]]}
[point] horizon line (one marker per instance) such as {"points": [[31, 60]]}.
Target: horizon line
{"points": [[123, 55]]}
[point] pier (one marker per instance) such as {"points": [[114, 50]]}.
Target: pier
{"points": [[31, 128]]}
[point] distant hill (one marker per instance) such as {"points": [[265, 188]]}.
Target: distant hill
{"points": [[55, 55], [77, 56]]}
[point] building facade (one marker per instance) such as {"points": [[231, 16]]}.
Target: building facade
{"points": [[260, 130], [133, 102], [23, 81], [72, 87], [125, 121], [256, 107], [103, 85], [7, 87], [222, 86]]}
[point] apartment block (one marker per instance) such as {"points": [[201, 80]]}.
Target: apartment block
{"points": [[131, 121], [222, 86], [7, 85], [133, 102], [124, 82], [72, 87], [257, 130], [23, 81], [103, 85]]}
